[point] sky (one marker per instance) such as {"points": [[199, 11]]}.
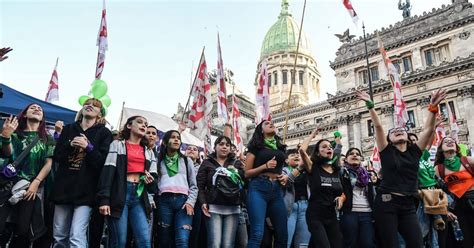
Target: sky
{"points": [[155, 46]]}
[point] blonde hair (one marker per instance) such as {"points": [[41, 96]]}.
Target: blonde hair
{"points": [[100, 118]]}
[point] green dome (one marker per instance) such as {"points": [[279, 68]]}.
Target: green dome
{"points": [[283, 35]]}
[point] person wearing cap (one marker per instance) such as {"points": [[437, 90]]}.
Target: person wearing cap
{"points": [[80, 154]]}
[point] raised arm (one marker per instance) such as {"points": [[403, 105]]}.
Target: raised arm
{"points": [[307, 163], [308, 139], [379, 132], [429, 127]]}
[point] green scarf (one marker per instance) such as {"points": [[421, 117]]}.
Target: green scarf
{"points": [[452, 164], [141, 185], [171, 164], [290, 168], [234, 176], [270, 143]]}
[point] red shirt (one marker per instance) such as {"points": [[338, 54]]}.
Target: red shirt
{"points": [[135, 158]]}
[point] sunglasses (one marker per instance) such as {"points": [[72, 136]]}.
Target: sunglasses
{"points": [[397, 130]]}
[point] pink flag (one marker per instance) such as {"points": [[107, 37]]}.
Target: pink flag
{"points": [[235, 123], [53, 93], [375, 158], [199, 116], [399, 106], [350, 9], [221, 91], [262, 99], [102, 44], [453, 125]]}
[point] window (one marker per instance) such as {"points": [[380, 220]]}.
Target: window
{"points": [[443, 110], [429, 57], [451, 107], [318, 120], [442, 53], [370, 128], [298, 125], [411, 119], [407, 66], [293, 77], [285, 77], [397, 63], [275, 78], [269, 79], [301, 77], [363, 78], [374, 73]]}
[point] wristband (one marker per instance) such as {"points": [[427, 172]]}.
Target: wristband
{"points": [[266, 165], [6, 141], [300, 169], [89, 147], [37, 179], [369, 104], [433, 108]]}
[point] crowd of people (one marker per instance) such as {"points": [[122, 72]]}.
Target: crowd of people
{"points": [[84, 186]]}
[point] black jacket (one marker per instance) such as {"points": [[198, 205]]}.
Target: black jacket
{"points": [[113, 180], [348, 190], [207, 171], [78, 171]]}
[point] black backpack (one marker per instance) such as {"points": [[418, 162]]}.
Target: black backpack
{"points": [[226, 192]]}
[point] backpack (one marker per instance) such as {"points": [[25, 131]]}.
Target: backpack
{"points": [[226, 192]]}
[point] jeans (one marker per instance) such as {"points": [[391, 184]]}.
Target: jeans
{"points": [[221, 230], [397, 213], [70, 225], [133, 210], [265, 198], [325, 232], [358, 229], [241, 237], [297, 228], [172, 218]]}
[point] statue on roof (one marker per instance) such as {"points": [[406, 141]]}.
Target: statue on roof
{"points": [[345, 37], [406, 7]]}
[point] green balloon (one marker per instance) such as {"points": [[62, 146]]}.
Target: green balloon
{"points": [[106, 101], [463, 149], [99, 88], [83, 99], [104, 111]]}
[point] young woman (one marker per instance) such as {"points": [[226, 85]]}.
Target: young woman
{"points": [[356, 218], [222, 209], [394, 207], [80, 153], [35, 168], [177, 193], [326, 192], [128, 175], [264, 165], [457, 172], [296, 200]]}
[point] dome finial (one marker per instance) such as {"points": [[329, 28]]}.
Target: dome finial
{"points": [[284, 8]]}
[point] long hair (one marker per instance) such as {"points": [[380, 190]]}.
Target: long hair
{"points": [[22, 121], [126, 132], [318, 160], [164, 145], [257, 139], [100, 118], [439, 159]]}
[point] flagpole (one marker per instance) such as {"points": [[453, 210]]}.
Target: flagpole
{"points": [[192, 86], [368, 65], [232, 112], [294, 73]]}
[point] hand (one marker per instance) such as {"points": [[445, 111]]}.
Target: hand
{"points": [[314, 133], [439, 120], [80, 141], [148, 178], [338, 140], [58, 126], [283, 179], [362, 95], [9, 126], [339, 201], [30, 194], [4, 51], [451, 216], [153, 205], [205, 210], [189, 209], [104, 210], [270, 164], [437, 96]]}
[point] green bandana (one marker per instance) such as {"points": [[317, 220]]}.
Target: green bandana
{"points": [[452, 164], [270, 143], [234, 176], [171, 164], [290, 168], [141, 185]]}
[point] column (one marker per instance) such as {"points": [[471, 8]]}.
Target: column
{"points": [[467, 102], [357, 131], [344, 129]]}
